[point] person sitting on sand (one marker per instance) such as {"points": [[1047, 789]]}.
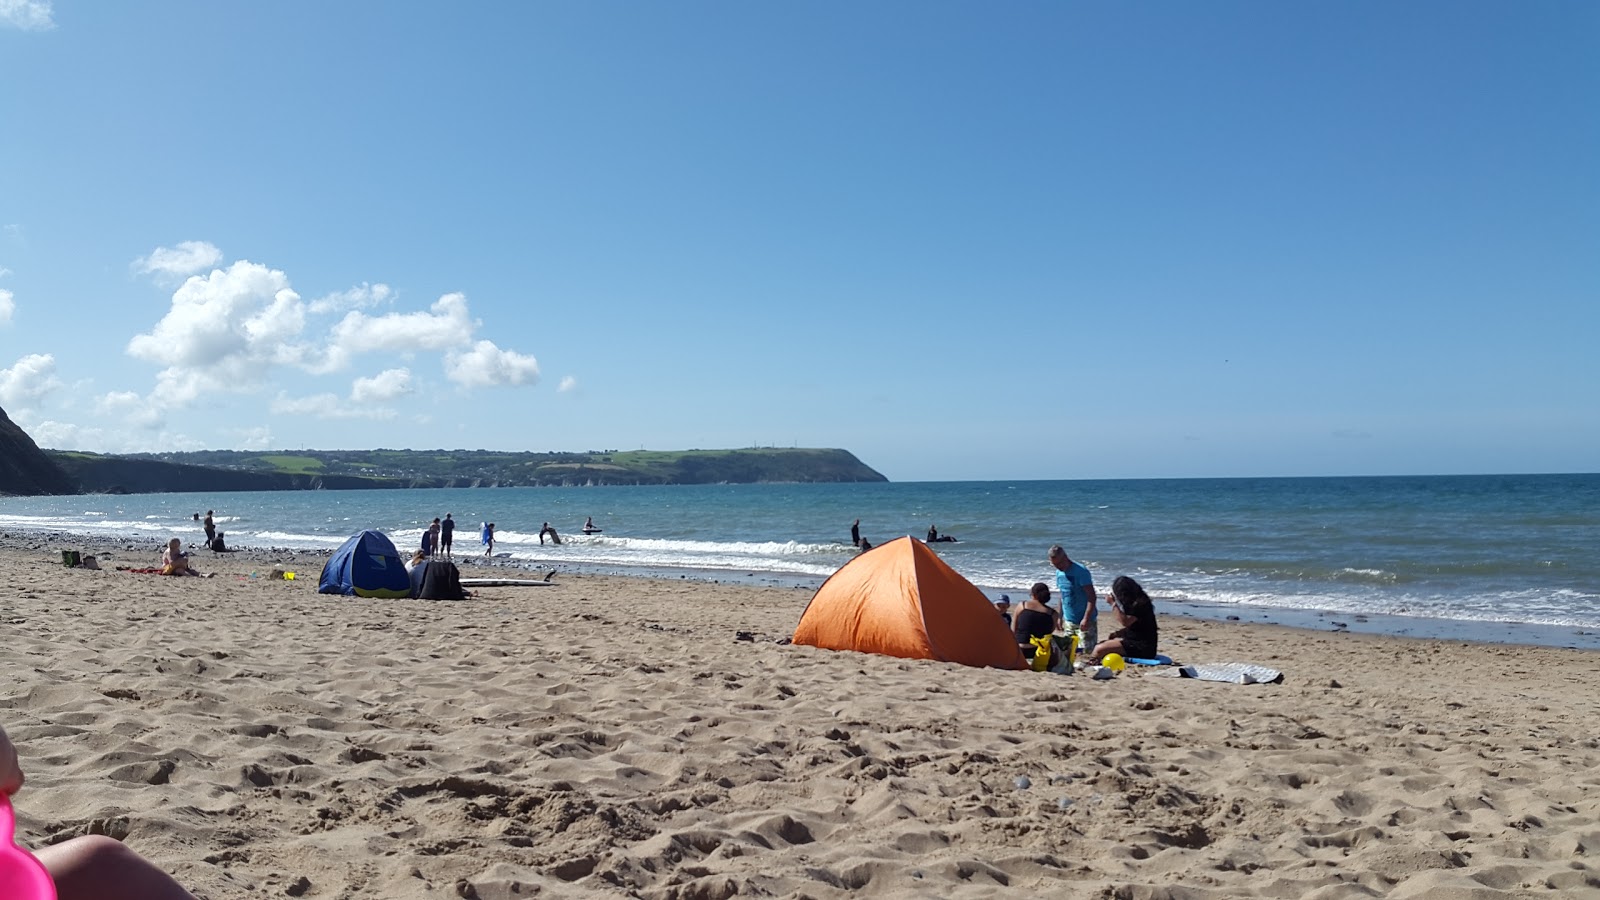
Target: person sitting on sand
{"points": [[1035, 618], [417, 567], [92, 867], [219, 545], [1136, 639], [1003, 607], [174, 561]]}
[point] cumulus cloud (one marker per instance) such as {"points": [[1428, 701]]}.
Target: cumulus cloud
{"points": [[382, 387], [131, 409], [68, 436], [327, 406], [8, 307], [27, 15], [447, 324], [223, 332], [187, 258], [568, 383], [28, 381], [363, 296], [486, 365], [257, 438]]}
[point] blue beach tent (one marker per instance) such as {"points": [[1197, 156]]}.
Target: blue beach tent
{"points": [[367, 565]]}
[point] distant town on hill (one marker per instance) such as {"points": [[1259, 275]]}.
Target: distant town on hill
{"points": [[237, 470]]}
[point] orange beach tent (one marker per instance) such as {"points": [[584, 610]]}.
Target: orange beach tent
{"points": [[901, 599]]}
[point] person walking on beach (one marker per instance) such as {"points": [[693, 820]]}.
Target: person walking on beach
{"points": [[1077, 595], [488, 539], [211, 528], [447, 531]]}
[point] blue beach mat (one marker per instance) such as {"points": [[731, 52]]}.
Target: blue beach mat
{"points": [[1161, 660]]}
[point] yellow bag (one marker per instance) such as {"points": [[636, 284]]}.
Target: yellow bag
{"points": [[1041, 653]]}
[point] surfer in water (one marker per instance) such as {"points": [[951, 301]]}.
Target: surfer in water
{"points": [[934, 537], [588, 526]]}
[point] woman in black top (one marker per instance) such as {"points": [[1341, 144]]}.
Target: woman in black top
{"points": [[1137, 637], [1035, 618]]}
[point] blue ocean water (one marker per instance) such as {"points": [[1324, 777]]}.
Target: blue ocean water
{"points": [[1442, 549]]}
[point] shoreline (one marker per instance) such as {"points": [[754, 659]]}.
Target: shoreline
{"points": [[1472, 631]]}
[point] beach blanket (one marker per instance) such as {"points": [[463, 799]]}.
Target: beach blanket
{"points": [[1232, 673]]}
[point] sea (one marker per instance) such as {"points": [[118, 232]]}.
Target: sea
{"points": [[1502, 558]]}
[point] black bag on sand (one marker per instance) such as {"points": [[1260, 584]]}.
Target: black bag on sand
{"points": [[442, 581]]}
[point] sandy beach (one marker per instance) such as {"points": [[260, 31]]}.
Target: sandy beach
{"points": [[652, 738]]}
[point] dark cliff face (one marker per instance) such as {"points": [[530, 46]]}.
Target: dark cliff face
{"points": [[24, 468]]}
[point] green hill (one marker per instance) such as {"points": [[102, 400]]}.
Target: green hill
{"points": [[235, 470]]}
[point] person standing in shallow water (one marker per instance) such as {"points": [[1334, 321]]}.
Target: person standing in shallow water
{"points": [[488, 539], [855, 533], [447, 532]]}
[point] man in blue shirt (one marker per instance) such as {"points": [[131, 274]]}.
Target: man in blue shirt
{"points": [[1077, 596]]}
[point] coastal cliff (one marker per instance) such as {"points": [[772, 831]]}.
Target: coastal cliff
{"points": [[229, 470], [24, 468]]}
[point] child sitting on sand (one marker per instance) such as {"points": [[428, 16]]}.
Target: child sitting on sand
{"points": [[174, 561], [92, 867]]}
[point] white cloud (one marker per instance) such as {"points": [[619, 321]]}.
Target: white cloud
{"points": [[257, 438], [486, 365], [223, 332], [67, 436], [382, 387], [27, 15], [446, 325], [29, 381], [8, 306], [327, 406], [363, 296], [568, 383], [188, 258], [131, 408]]}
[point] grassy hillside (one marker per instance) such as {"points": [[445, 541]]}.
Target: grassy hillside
{"points": [[339, 469]]}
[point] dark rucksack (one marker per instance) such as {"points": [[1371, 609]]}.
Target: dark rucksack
{"points": [[442, 581]]}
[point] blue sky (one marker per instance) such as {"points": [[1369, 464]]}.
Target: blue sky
{"points": [[963, 240]]}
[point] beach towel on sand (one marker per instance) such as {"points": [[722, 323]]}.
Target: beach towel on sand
{"points": [[1231, 673]]}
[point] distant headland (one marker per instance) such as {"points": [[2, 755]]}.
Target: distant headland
{"points": [[233, 470]]}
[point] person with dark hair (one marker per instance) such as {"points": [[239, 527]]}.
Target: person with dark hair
{"points": [[447, 534], [855, 533], [488, 539], [1138, 635], [211, 528], [1035, 618], [429, 535]]}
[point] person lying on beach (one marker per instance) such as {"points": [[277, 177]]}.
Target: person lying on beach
{"points": [[174, 561], [92, 867], [1035, 618], [1136, 639]]}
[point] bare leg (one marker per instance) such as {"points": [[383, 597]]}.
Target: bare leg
{"points": [[1111, 645], [96, 867]]}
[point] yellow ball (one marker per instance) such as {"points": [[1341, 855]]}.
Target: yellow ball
{"points": [[1114, 662]]}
